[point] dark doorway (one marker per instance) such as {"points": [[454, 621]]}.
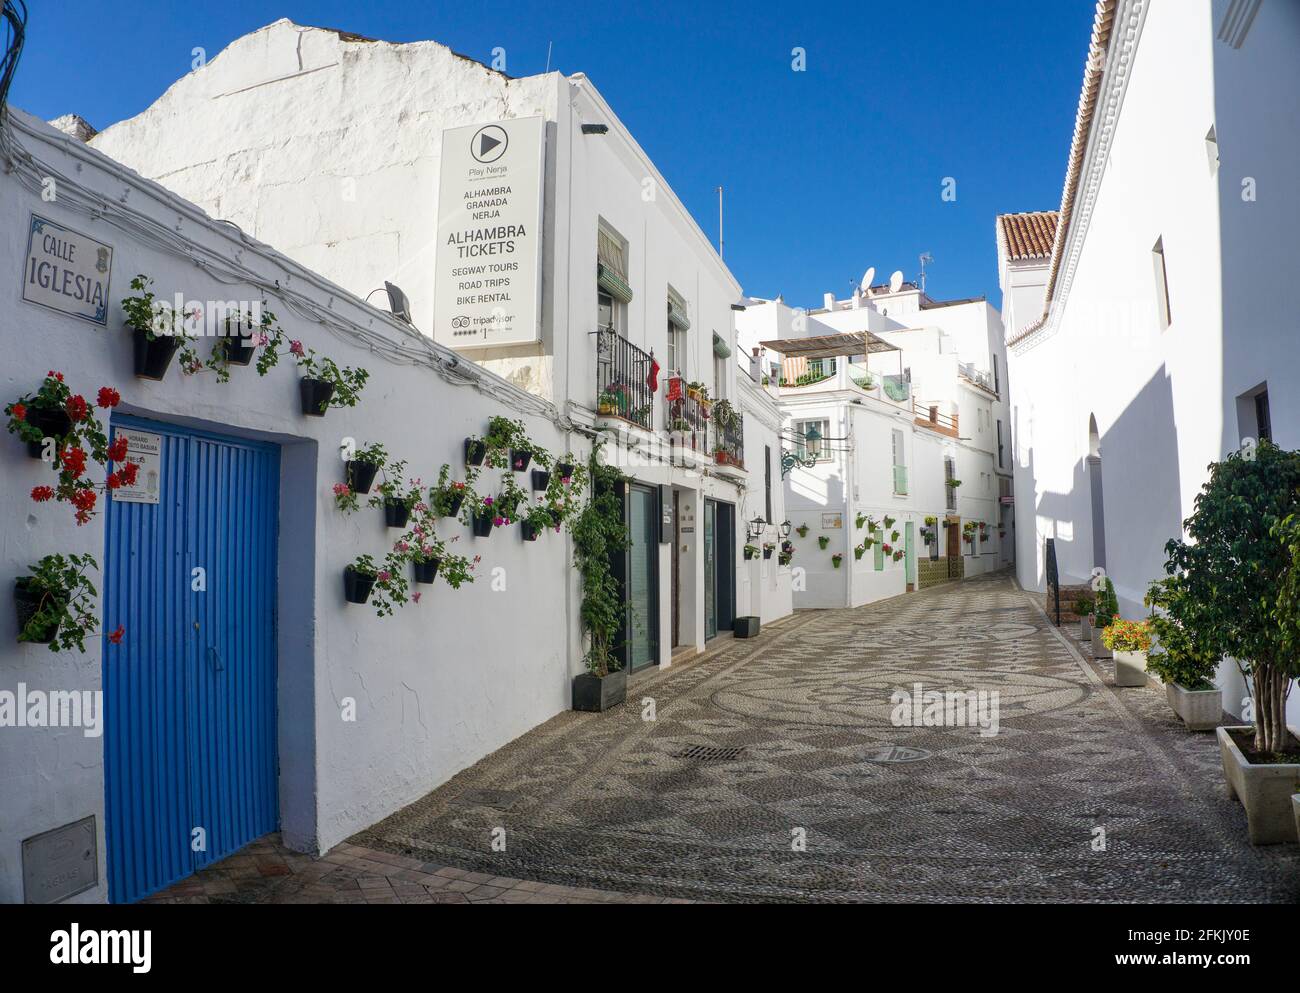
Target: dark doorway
{"points": [[719, 567]]}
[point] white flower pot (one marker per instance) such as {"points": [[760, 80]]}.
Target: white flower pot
{"points": [[1266, 791], [1099, 650], [1200, 710], [1130, 668]]}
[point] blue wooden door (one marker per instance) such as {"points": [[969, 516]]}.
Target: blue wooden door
{"points": [[189, 694]]}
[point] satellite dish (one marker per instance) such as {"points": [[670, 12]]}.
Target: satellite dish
{"points": [[896, 281], [867, 277]]}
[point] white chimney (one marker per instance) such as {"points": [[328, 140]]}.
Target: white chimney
{"points": [[828, 301]]}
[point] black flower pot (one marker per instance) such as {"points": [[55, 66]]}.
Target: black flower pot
{"points": [[519, 459], [153, 357], [396, 513], [237, 349], [361, 475], [51, 424], [529, 532], [28, 602], [787, 547], [557, 518], [767, 553], [316, 395], [475, 451], [594, 693], [483, 525], [357, 585], [564, 470], [749, 554], [541, 479], [453, 508], [426, 572]]}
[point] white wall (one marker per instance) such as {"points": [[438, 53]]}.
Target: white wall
{"points": [[437, 687]]}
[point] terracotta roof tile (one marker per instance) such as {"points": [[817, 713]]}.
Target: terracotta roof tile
{"points": [[1029, 236]]}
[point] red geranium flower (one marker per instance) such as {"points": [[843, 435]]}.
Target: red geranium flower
{"points": [[128, 473], [112, 481], [42, 493], [117, 450], [84, 500], [56, 375], [116, 636], [74, 461], [19, 412], [76, 407], [108, 397]]}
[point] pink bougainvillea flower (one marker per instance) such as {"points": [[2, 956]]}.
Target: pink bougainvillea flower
{"points": [[415, 597], [384, 576], [401, 546], [498, 521], [116, 636], [421, 508], [296, 347], [487, 501], [342, 489]]}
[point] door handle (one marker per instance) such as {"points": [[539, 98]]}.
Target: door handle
{"points": [[214, 659]]}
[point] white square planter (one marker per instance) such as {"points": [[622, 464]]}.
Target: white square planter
{"points": [[1099, 651], [1266, 791], [1200, 710], [1130, 668]]}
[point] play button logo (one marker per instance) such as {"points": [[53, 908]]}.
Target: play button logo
{"points": [[489, 143]]}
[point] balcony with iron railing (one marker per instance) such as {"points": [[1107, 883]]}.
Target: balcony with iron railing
{"points": [[686, 416], [927, 415], [977, 376], [622, 371], [729, 437]]}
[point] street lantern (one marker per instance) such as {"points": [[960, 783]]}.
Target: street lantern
{"points": [[785, 529], [755, 528]]}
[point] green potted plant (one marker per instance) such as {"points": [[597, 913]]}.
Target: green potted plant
{"points": [[1104, 612], [768, 549], [1239, 562], [56, 603], [384, 587], [859, 550], [823, 541], [365, 462], [802, 530], [158, 332], [952, 484], [750, 552], [1186, 670], [599, 532], [324, 384], [1083, 605], [860, 521], [42, 418], [1129, 641], [397, 495], [447, 495], [836, 559]]}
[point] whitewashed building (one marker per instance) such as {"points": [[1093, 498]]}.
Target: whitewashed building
{"points": [[351, 155], [1150, 320], [897, 445]]}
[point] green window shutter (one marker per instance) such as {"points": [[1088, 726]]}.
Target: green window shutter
{"points": [[879, 548], [613, 283], [720, 349]]}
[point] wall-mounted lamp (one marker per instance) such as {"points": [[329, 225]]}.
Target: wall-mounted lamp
{"points": [[785, 528], [755, 528]]}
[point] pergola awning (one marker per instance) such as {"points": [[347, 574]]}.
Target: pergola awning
{"points": [[830, 345]]}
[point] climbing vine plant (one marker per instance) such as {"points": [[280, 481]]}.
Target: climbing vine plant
{"points": [[598, 531]]}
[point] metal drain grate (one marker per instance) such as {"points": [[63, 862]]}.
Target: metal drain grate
{"points": [[711, 753]]}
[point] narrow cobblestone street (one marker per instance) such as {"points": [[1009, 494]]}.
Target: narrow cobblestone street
{"points": [[928, 814]]}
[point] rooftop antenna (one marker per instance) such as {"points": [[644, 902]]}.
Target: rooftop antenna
{"points": [[548, 55], [719, 222], [926, 257]]}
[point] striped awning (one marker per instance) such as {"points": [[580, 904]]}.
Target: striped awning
{"points": [[677, 310], [613, 283], [720, 349]]}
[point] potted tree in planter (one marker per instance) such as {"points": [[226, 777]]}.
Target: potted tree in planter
{"points": [[1083, 605], [1187, 671], [56, 603], [1241, 567], [1103, 614], [1129, 641], [598, 532]]}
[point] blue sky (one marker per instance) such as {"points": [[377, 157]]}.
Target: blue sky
{"points": [[826, 171]]}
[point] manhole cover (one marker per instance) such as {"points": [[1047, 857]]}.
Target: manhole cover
{"points": [[498, 799], [894, 753], [710, 753]]}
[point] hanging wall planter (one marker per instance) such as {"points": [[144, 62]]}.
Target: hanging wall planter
{"points": [[541, 479], [153, 357], [51, 423], [529, 532], [475, 451], [836, 559], [483, 525], [426, 571], [453, 505], [28, 602], [361, 475], [823, 541], [396, 513], [519, 459], [357, 585], [564, 470], [768, 550], [316, 395], [750, 552], [237, 349]]}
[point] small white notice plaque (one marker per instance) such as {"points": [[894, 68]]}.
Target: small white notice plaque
{"points": [[145, 450]]}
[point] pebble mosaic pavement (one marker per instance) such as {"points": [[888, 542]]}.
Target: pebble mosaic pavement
{"points": [[606, 802]]}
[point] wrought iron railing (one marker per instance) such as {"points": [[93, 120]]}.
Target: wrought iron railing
{"points": [[621, 373], [687, 418], [729, 441]]}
